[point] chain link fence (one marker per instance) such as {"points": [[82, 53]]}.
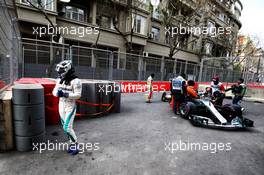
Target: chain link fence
{"points": [[9, 44], [221, 67], [40, 57], [91, 63]]}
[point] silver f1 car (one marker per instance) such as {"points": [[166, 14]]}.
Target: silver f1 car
{"points": [[202, 112]]}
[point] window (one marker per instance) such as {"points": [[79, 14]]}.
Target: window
{"points": [[74, 13], [228, 20], [156, 33], [208, 48], [156, 13], [211, 28], [155, 5], [45, 4], [105, 22], [139, 24], [221, 17], [194, 46], [167, 38], [237, 13]]}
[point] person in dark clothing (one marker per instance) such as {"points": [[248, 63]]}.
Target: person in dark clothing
{"points": [[191, 92], [178, 92], [239, 90]]}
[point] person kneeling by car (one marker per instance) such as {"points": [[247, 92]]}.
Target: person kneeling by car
{"points": [[218, 91], [239, 90]]}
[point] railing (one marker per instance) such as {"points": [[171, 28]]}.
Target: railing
{"points": [[9, 45], [92, 63]]}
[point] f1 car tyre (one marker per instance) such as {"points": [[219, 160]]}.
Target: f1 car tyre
{"points": [[185, 109], [194, 122], [163, 97], [248, 123]]}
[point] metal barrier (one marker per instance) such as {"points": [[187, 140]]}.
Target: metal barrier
{"points": [[92, 63], [39, 58], [9, 44], [221, 67]]}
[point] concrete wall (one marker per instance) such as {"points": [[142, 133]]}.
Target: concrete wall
{"points": [[34, 16], [107, 38]]}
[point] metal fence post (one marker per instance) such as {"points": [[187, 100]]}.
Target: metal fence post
{"points": [[111, 65], [23, 61], [175, 66], [140, 67], [162, 68], [186, 69], [201, 71], [93, 59], [71, 53], [51, 54]]}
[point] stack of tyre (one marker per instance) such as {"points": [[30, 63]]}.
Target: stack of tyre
{"points": [[29, 115], [99, 92]]}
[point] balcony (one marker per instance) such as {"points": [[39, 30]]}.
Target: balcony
{"points": [[189, 3], [122, 2], [47, 5], [140, 4]]}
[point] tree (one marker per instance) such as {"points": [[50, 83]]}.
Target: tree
{"points": [[176, 15], [128, 8], [249, 53], [41, 6], [246, 48]]}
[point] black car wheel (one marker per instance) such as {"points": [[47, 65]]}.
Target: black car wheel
{"points": [[185, 110], [194, 122], [163, 97]]}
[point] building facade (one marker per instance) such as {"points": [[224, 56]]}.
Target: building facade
{"points": [[134, 26]]}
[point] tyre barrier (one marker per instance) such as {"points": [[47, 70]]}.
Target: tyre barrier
{"points": [[117, 98], [94, 101], [99, 97], [28, 115], [90, 93]]}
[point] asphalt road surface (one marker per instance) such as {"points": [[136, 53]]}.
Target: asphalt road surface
{"points": [[147, 139]]}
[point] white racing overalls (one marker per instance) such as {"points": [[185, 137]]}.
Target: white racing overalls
{"points": [[149, 89], [216, 87], [67, 106]]}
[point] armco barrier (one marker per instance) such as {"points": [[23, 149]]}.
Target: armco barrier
{"points": [[88, 105], [253, 90], [51, 102], [140, 86]]}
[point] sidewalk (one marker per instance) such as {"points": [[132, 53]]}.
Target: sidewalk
{"points": [[252, 99], [248, 99]]}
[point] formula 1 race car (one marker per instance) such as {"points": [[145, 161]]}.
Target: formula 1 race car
{"points": [[166, 97], [202, 112]]}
